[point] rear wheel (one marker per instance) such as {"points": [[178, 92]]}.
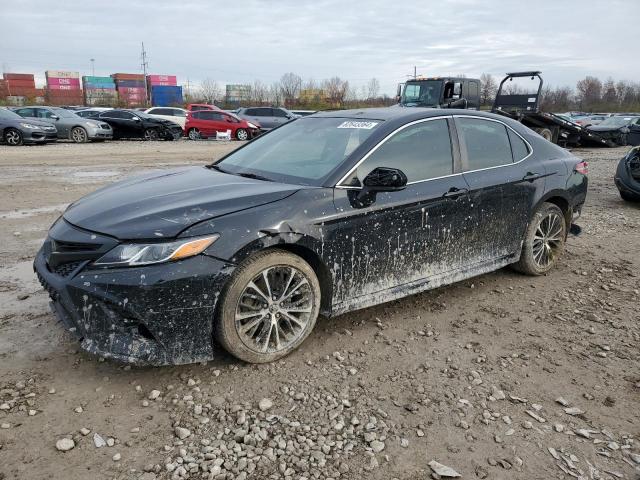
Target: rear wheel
{"points": [[79, 135], [242, 134], [546, 134], [269, 307], [13, 137], [194, 134], [151, 134], [544, 241]]}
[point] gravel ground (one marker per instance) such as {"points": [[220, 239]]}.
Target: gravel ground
{"points": [[500, 377]]}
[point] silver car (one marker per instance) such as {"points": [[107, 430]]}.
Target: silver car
{"points": [[266, 117], [69, 125]]}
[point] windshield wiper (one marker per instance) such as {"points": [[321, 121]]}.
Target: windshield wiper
{"points": [[218, 168], [255, 176]]}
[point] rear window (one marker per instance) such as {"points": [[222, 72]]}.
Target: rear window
{"points": [[487, 143], [518, 146]]}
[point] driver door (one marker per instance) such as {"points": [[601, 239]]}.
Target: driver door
{"points": [[401, 239]]}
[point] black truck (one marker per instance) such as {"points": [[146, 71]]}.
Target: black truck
{"points": [[462, 92]]}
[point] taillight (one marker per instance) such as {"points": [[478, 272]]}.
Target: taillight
{"points": [[582, 167]]}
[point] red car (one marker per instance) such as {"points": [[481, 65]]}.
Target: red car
{"points": [[192, 107], [206, 123]]}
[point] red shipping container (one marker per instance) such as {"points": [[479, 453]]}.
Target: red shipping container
{"points": [[64, 87], [134, 90], [19, 76], [22, 91], [74, 82], [169, 80], [128, 76], [21, 83]]}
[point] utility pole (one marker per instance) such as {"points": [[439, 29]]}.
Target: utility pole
{"points": [[145, 65], [93, 66], [415, 72]]}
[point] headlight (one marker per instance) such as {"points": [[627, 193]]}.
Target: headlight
{"points": [[134, 254], [251, 125], [93, 124], [31, 126]]}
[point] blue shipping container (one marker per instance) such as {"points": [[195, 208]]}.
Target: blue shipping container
{"points": [[165, 96], [130, 83]]}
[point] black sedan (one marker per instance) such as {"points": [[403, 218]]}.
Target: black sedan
{"points": [[627, 176], [15, 130], [327, 214], [619, 130], [133, 124]]}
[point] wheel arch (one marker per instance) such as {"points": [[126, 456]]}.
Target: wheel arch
{"points": [[562, 201]]}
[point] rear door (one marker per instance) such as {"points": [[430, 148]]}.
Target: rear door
{"points": [[503, 183], [279, 117]]}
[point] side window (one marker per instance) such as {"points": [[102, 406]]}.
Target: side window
{"points": [[178, 113], [127, 115], [518, 147], [487, 143], [279, 113], [422, 151], [43, 113], [26, 112], [252, 112]]}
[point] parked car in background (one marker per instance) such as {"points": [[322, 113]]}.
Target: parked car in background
{"points": [[590, 120], [206, 124], [267, 117], [620, 129], [68, 124], [627, 176], [330, 213], [173, 114], [192, 107], [90, 112], [303, 113], [15, 130], [133, 124]]}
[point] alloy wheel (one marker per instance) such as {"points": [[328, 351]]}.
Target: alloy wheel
{"points": [[79, 135], [241, 134], [547, 241], [13, 137], [194, 134], [273, 309], [150, 134]]}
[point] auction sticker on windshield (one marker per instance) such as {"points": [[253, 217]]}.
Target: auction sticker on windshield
{"points": [[362, 125]]}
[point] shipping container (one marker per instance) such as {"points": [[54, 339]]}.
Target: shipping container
{"points": [[105, 86], [163, 80], [19, 76], [21, 83], [74, 88], [130, 83], [61, 74], [136, 90], [21, 91], [72, 82], [166, 96], [90, 79], [128, 76]]}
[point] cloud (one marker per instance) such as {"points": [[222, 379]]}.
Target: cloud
{"points": [[255, 39]]}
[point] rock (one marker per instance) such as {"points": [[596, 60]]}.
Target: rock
{"points": [[85, 431], [635, 457], [65, 444], [78, 410], [182, 433], [5, 425], [573, 411], [32, 413], [154, 394], [117, 457], [562, 402], [110, 442], [265, 404], [98, 441], [443, 470], [583, 433], [377, 446], [535, 416], [558, 427], [497, 394]]}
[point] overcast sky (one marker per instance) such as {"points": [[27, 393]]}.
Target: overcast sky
{"points": [[238, 42]]}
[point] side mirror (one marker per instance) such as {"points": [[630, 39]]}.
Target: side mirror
{"points": [[136, 119], [384, 179], [55, 117], [381, 179]]}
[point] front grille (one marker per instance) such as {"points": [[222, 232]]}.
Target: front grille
{"points": [[52, 293], [69, 247], [66, 269]]}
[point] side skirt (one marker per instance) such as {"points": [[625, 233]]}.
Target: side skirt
{"points": [[422, 285]]}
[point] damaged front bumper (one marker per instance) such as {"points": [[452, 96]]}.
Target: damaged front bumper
{"points": [[154, 315]]}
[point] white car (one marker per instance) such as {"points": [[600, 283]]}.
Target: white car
{"points": [[173, 114]]}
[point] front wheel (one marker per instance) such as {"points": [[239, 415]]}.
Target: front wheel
{"points": [[546, 134], [194, 134], [629, 197], [269, 307], [150, 134], [242, 134], [544, 241], [79, 135], [13, 137]]}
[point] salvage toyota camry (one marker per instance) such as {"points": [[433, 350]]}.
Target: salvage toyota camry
{"points": [[327, 214]]}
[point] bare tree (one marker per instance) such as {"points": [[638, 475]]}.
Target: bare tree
{"points": [[275, 94], [210, 90], [373, 89], [290, 84], [609, 95], [589, 92], [336, 90], [488, 89], [259, 93]]}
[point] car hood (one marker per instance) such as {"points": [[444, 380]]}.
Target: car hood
{"points": [[163, 204]]}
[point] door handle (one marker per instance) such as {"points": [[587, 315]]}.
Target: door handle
{"points": [[530, 177], [455, 192]]}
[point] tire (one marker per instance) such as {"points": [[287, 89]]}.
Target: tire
{"points": [[242, 134], [546, 134], [629, 197], [150, 134], [13, 137], [540, 253], [79, 135], [194, 134], [269, 334]]}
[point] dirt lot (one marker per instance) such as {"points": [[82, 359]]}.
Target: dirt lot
{"points": [[467, 375]]}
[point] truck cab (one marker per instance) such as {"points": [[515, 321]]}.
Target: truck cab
{"points": [[440, 92]]}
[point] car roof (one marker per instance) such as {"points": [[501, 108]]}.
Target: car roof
{"points": [[399, 113]]}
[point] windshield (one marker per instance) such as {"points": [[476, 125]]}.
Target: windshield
{"points": [[9, 115], [616, 122], [63, 113], [302, 152], [422, 93]]}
